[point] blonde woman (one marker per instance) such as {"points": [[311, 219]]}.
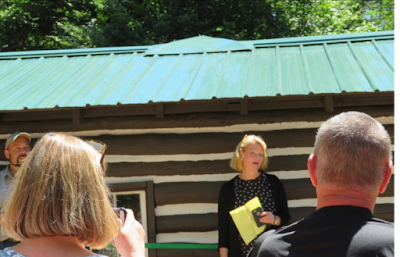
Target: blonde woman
{"points": [[60, 204], [250, 159]]}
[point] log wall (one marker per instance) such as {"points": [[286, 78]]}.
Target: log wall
{"points": [[186, 157]]}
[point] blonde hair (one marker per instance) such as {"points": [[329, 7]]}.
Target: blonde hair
{"points": [[60, 191], [236, 162], [352, 149]]}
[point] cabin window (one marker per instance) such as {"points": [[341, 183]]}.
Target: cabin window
{"points": [[136, 201], [138, 196]]}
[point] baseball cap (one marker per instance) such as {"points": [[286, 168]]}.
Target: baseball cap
{"points": [[15, 135]]}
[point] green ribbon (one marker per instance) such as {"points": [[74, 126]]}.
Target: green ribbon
{"points": [[180, 246]]}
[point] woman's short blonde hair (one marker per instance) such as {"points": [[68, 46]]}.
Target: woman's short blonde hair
{"points": [[236, 162], [60, 191]]}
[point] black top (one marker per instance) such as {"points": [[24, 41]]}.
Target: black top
{"points": [[245, 190], [235, 193], [344, 231]]}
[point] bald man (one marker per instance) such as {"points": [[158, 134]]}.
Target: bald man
{"points": [[351, 165]]}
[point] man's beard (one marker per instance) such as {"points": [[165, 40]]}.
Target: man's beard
{"points": [[19, 162]]}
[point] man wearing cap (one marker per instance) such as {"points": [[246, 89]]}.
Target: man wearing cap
{"points": [[16, 149]]}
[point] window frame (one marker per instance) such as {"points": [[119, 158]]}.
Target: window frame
{"points": [[148, 188]]}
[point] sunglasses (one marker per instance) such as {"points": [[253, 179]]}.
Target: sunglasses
{"points": [[98, 146]]}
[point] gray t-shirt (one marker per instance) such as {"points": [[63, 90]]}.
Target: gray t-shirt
{"points": [[6, 187], [9, 252]]}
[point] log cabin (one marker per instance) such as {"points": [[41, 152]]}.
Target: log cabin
{"points": [[171, 115]]}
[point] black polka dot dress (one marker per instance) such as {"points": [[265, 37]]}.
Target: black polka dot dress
{"points": [[245, 190]]}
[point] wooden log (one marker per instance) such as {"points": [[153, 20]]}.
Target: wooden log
{"points": [[187, 253], [390, 189], [384, 211], [151, 216], [25, 116], [204, 143], [59, 120], [201, 143], [184, 168], [207, 192], [328, 103], [156, 144], [125, 169], [343, 102], [123, 187], [187, 223], [187, 192], [209, 221], [77, 116]]}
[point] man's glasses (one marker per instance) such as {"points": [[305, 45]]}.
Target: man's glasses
{"points": [[98, 146]]}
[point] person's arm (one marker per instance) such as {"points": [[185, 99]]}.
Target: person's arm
{"points": [[282, 204], [223, 222], [130, 240], [254, 252], [223, 252], [281, 216]]}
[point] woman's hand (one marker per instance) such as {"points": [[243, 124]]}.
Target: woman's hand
{"points": [[130, 240], [267, 217]]}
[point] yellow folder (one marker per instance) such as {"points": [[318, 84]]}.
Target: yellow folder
{"points": [[244, 220]]}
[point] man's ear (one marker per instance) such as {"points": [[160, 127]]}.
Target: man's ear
{"points": [[387, 174], [312, 169], [7, 154]]}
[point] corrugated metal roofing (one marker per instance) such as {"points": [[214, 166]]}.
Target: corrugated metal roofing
{"points": [[199, 68], [200, 44]]}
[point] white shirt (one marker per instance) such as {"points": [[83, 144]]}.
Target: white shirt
{"points": [[6, 187]]}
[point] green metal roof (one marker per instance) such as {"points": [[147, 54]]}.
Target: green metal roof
{"points": [[200, 44], [199, 68]]}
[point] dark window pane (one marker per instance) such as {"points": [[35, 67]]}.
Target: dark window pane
{"points": [[131, 201]]}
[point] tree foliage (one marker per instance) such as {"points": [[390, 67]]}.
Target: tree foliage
{"points": [[48, 24]]}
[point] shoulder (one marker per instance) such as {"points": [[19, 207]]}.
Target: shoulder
{"points": [[9, 252], [270, 176], [266, 243], [383, 223], [378, 228], [5, 172], [228, 185], [273, 179], [376, 236]]}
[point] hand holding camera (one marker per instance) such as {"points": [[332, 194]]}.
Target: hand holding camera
{"points": [[121, 213], [130, 241]]}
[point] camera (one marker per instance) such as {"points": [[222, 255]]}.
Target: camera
{"points": [[121, 213]]}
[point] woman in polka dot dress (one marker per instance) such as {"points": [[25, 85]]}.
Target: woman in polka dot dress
{"points": [[250, 159]]}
